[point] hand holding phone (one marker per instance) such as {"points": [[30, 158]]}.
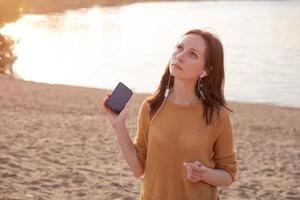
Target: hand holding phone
{"points": [[119, 97]]}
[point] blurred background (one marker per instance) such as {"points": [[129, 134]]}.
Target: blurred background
{"points": [[97, 43], [56, 142]]}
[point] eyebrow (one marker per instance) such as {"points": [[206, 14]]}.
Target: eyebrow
{"points": [[190, 48]]}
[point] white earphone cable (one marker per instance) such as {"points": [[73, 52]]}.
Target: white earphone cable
{"points": [[131, 129]]}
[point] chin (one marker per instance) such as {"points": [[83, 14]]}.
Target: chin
{"points": [[175, 73]]}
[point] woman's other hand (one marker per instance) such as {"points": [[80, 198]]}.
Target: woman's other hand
{"points": [[196, 171]]}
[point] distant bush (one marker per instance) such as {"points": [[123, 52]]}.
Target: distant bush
{"points": [[10, 11], [7, 57]]}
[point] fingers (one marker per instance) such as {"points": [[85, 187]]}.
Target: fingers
{"points": [[126, 107], [105, 98], [194, 171], [106, 109], [124, 111], [188, 170], [192, 178], [197, 167], [197, 163]]}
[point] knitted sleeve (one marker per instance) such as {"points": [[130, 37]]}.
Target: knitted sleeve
{"points": [[140, 141], [224, 149]]}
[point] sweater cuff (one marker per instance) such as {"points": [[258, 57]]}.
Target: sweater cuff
{"points": [[229, 164]]}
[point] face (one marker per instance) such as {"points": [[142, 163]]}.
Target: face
{"points": [[188, 58]]}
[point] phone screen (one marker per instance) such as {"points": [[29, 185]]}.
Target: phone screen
{"points": [[119, 97]]}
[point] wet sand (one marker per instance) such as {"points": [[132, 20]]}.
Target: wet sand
{"points": [[56, 143]]}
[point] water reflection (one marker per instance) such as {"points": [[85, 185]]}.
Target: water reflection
{"points": [[100, 46]]}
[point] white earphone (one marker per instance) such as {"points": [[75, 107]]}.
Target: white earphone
{"points": [[203, 74], [167, 92]]}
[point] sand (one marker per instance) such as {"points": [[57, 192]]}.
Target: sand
{"points": [[56, 143]]}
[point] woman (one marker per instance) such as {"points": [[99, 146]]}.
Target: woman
{"points": [[184, 144]]}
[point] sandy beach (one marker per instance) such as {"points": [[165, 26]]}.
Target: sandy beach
{"points": [[56, 143]]}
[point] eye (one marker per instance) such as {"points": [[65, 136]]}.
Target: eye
{"points": [[179, 47], [194, 55]]}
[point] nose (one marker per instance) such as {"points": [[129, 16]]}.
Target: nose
{"points": [[180, 57]]}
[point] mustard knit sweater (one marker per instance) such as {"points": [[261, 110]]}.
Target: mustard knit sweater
{"points": [[178, 134]]}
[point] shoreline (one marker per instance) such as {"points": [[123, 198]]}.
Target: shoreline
{"points": [[19, 78], [56, 143]]}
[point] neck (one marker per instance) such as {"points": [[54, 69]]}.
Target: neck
{"points": [[183, 91]]}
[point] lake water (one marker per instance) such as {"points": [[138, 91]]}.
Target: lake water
{"points": [[98, 47]]}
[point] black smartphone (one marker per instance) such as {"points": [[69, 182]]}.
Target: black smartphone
{"points": [[119, 97]]}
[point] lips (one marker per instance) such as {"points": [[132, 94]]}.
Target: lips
{"points": [[177, 67]]}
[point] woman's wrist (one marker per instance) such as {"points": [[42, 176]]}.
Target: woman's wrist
{"points": [[119, 126], [208, 173], [217, 177]]}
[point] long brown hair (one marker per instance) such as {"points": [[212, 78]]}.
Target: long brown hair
{"points": [[214, 82]]}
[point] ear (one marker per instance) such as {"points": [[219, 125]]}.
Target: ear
{"points": [[204, 73]]}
